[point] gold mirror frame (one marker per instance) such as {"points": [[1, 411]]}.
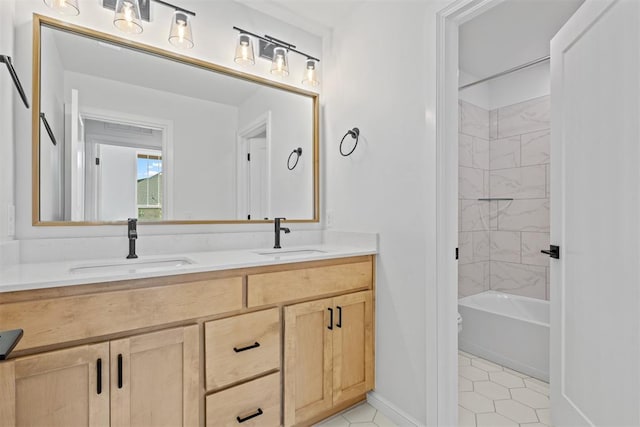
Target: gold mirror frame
{"points": [[39, 20]]}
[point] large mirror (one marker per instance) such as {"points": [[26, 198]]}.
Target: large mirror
{"points": [[127, 131]]}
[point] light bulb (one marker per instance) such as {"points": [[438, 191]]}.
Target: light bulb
{"points": [[127, 16], [244, 50], [279, 65], [180, 35]]}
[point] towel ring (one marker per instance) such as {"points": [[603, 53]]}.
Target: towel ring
{"points": [[297, 151], [355, 134]]}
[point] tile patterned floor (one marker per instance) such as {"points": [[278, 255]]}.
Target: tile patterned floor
{"points": [[493, 396], [363, 415], [489, 396]]}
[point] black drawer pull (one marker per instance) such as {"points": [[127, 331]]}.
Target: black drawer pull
{"points": [[99, 376], [339, 324], [330, 319], [247, 418], [249, 347], [120, 371]]}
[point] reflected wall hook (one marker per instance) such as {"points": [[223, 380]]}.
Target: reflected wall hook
{"points": [[355, 134], [16, 81], [48, 128], [298, 152]]}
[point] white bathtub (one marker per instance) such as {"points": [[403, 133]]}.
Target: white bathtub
{"points": [[510, 330]]}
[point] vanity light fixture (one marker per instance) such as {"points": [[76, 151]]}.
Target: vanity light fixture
{"points": [[129, 15], [64, 7], [277, 52]]}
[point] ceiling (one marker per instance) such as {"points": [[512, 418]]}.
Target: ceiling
{"points": [[510, 34], [88, 56]]}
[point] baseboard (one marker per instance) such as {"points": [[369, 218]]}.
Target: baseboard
{"points": [[391, 411]]}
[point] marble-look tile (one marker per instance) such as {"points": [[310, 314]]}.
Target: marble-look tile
{"points": [[544, 415], [475, 402], [548, 168], [465, 150], [381, 420], [537, 385], [485, 365], [472, 278], [493, 214], [337, 421], [472, 373], [494, 420], [530, 398], [360, 414], [470, 183], [474, 215], [524, 215], [536, 148], [505, 153], [519, 279], [505, 246], [464, 384], [481, 153], [516, 411], [548, 283], [506, 379], [466, 418], [525, 117], [491, 390], [493, 124], [465, 247], [481, 249], [474, 120], [532, 244], [519, 183]]}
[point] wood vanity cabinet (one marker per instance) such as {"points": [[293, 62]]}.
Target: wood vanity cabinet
{"points": [[222, 348], [145, 380], [328, 355]]}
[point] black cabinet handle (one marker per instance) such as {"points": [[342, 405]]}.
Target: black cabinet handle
{"points": [[339, 324], [120, 371], [99, 376], [247, 418], [553, 252], [330, 327], [238, 350]]}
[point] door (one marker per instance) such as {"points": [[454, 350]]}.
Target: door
{"points": [[117, 180], [308, 360], [595, 205], [155, 379], [258, 179], [352, 346], [61, 388]]}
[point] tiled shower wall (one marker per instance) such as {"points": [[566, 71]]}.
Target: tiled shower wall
{"points": [[500, 241]]}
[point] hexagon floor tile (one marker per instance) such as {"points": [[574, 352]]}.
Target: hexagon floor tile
{"points": [[362, 415]]}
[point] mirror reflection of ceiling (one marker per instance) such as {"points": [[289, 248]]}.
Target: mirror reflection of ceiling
{"points": [[510, 34], [129, 66]]}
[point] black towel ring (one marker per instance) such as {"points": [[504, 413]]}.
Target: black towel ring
{"points": [[355, 134], [297, 151]]}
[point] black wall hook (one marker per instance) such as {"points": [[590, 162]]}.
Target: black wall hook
{"points": [[355, 134], [16, 81], [298, 152]]}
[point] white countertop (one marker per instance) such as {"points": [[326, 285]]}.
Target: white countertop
{"points": [[21, 277]]}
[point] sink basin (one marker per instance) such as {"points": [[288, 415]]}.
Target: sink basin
{"points": [[279, 253], [132, 266]]}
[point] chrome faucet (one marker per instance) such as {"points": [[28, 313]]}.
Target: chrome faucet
{"points": [[132, 232], [278, 229]]}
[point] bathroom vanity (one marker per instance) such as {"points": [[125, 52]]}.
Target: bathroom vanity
{"points": [[271, 343]]}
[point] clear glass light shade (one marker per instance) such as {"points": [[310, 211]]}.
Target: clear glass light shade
{"points": [[180, 35], [310, 75], [280, 64], [127, 17], [64, 7], [244, 50]]}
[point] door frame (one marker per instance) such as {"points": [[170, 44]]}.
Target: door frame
{"points": [[253, 129], [165, 126], [442, 361]]}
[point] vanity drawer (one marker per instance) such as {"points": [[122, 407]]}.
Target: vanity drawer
{"points": [[259, 398], [241, 347], [290, 285]]}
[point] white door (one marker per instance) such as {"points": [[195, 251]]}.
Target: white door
{"points": [[258, 181], [595, 206], [117, 179]]}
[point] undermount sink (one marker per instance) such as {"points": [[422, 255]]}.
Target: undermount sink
{"points": [[284, 253], [132, 266]]}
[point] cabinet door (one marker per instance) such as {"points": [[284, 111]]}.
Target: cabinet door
{"points": [[61, 388], [352, 346], [308, 360], [155, 379]]}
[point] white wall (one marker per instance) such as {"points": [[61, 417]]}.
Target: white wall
{"points": [[52, 156], [374, 82], [509, 89], [215, 42], [8, 98], [291, 127]]}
